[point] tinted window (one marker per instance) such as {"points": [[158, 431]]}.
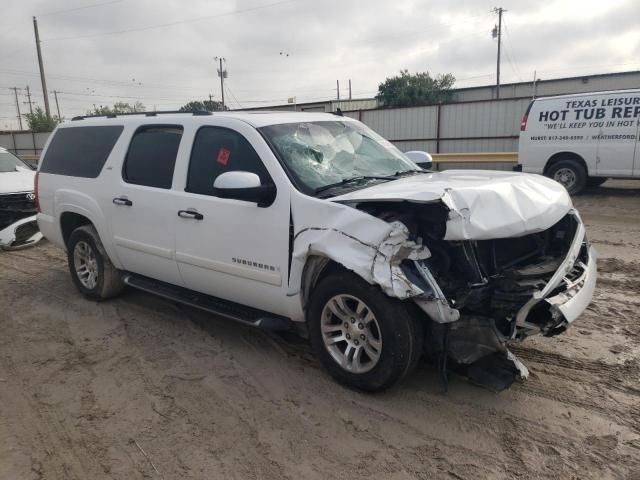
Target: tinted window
{"points": [[80, 151], [217, 150], [152, 156]]}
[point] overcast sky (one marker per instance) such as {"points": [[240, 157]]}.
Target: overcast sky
{"points": [[161, 51]]}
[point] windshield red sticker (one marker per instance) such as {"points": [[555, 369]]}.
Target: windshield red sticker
{"points": [[223, 156]]}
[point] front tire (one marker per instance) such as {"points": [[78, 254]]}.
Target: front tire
{"points": [[91, 270], [363, 338], [570, 174]]}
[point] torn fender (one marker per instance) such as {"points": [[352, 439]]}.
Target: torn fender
{"points": [[370, 247]]}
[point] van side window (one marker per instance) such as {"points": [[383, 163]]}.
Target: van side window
{"points": [[152, 156], [80, 151], [217, 150]]}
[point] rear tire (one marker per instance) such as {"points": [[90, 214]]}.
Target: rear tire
{"points": [[596, 181], [363, 338], [90, 267], [571, 174]]}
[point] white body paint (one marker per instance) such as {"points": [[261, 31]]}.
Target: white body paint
{"points": [[245, 254]]}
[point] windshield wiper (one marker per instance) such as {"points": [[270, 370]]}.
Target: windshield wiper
{"points": [[347, 181]]}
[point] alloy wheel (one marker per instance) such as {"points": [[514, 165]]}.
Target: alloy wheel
{"points": [[351, 333], [86, 265]]}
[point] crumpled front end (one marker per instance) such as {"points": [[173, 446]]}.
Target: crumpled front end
{"points": [[478, 294], [18, 225], [505, 290]]}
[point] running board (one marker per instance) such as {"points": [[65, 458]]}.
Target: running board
{"points": [[224, 308]]}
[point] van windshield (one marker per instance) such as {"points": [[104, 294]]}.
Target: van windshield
{"points": [[331, 154], [10, 163]]}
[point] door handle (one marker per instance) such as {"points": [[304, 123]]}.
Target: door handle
{"points": [[122, 201], [190, 214]]}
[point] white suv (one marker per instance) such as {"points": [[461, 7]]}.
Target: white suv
{"points": [[312, 220]]}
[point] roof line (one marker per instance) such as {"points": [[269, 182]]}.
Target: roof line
{"points": [[580, 77], [146, 114]]}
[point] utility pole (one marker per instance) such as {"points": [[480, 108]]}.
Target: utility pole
{"points": [[29, 100], [15, 92], [42, 79], [55, 94], [349, 89], [338, 88], [222, 74], [497, 33]]}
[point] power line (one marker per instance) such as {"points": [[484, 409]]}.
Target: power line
{"points": [[106, 82], [178, 22], [58, 12], [129, 97], [511, 62], [14, 52], [506, 51], [15, 91], [233, 96]]}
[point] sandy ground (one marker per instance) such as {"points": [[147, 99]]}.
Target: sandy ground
{"points": [[140, 388]]}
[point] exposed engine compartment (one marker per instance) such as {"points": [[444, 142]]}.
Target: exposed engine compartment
{"points": [[487, 281], [486, 277]]}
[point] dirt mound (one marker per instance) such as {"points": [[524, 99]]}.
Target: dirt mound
{"points": [[618, 265]]}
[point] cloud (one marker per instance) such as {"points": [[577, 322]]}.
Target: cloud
{"points": [[365, 41]]}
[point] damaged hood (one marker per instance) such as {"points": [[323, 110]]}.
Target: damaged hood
{"points": [[19, 181], [482, 204]]}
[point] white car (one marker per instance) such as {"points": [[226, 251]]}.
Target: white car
{"points": [[313, 221], [18, 227], [581, 140]]}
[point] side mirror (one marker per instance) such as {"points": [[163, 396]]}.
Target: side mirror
{"points": [[244, 186], [420, 158]]}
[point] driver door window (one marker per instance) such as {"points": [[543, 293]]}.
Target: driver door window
{"points": [[217, 150]]}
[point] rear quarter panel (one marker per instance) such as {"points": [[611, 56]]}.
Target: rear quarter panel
{"points": [[89, 197]]}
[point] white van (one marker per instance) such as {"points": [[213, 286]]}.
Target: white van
{"points": [[583, 139]]}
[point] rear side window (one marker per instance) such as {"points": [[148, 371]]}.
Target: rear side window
{"points": [[217, 150], [152, 156], [80, 151]]}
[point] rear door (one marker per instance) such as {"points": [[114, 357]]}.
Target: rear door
{"points": [[233, 249], [143, 204], [616, 134]]}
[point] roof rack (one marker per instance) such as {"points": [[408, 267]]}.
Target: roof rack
{"points": [[195, 113]]}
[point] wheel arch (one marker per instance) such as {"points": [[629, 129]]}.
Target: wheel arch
{"points": [[73, 216], [565, 155], [69, 221], [315, 269]]}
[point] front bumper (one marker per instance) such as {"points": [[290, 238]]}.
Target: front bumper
{"points": [[21, 234], [569, 305], [568, 292]]}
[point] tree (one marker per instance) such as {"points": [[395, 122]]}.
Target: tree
{"points": [[118, 107], [410, 90], [201, 106], [39, 122]]}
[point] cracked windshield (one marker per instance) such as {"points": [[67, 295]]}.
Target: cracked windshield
{"points": [[324, 155]]}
